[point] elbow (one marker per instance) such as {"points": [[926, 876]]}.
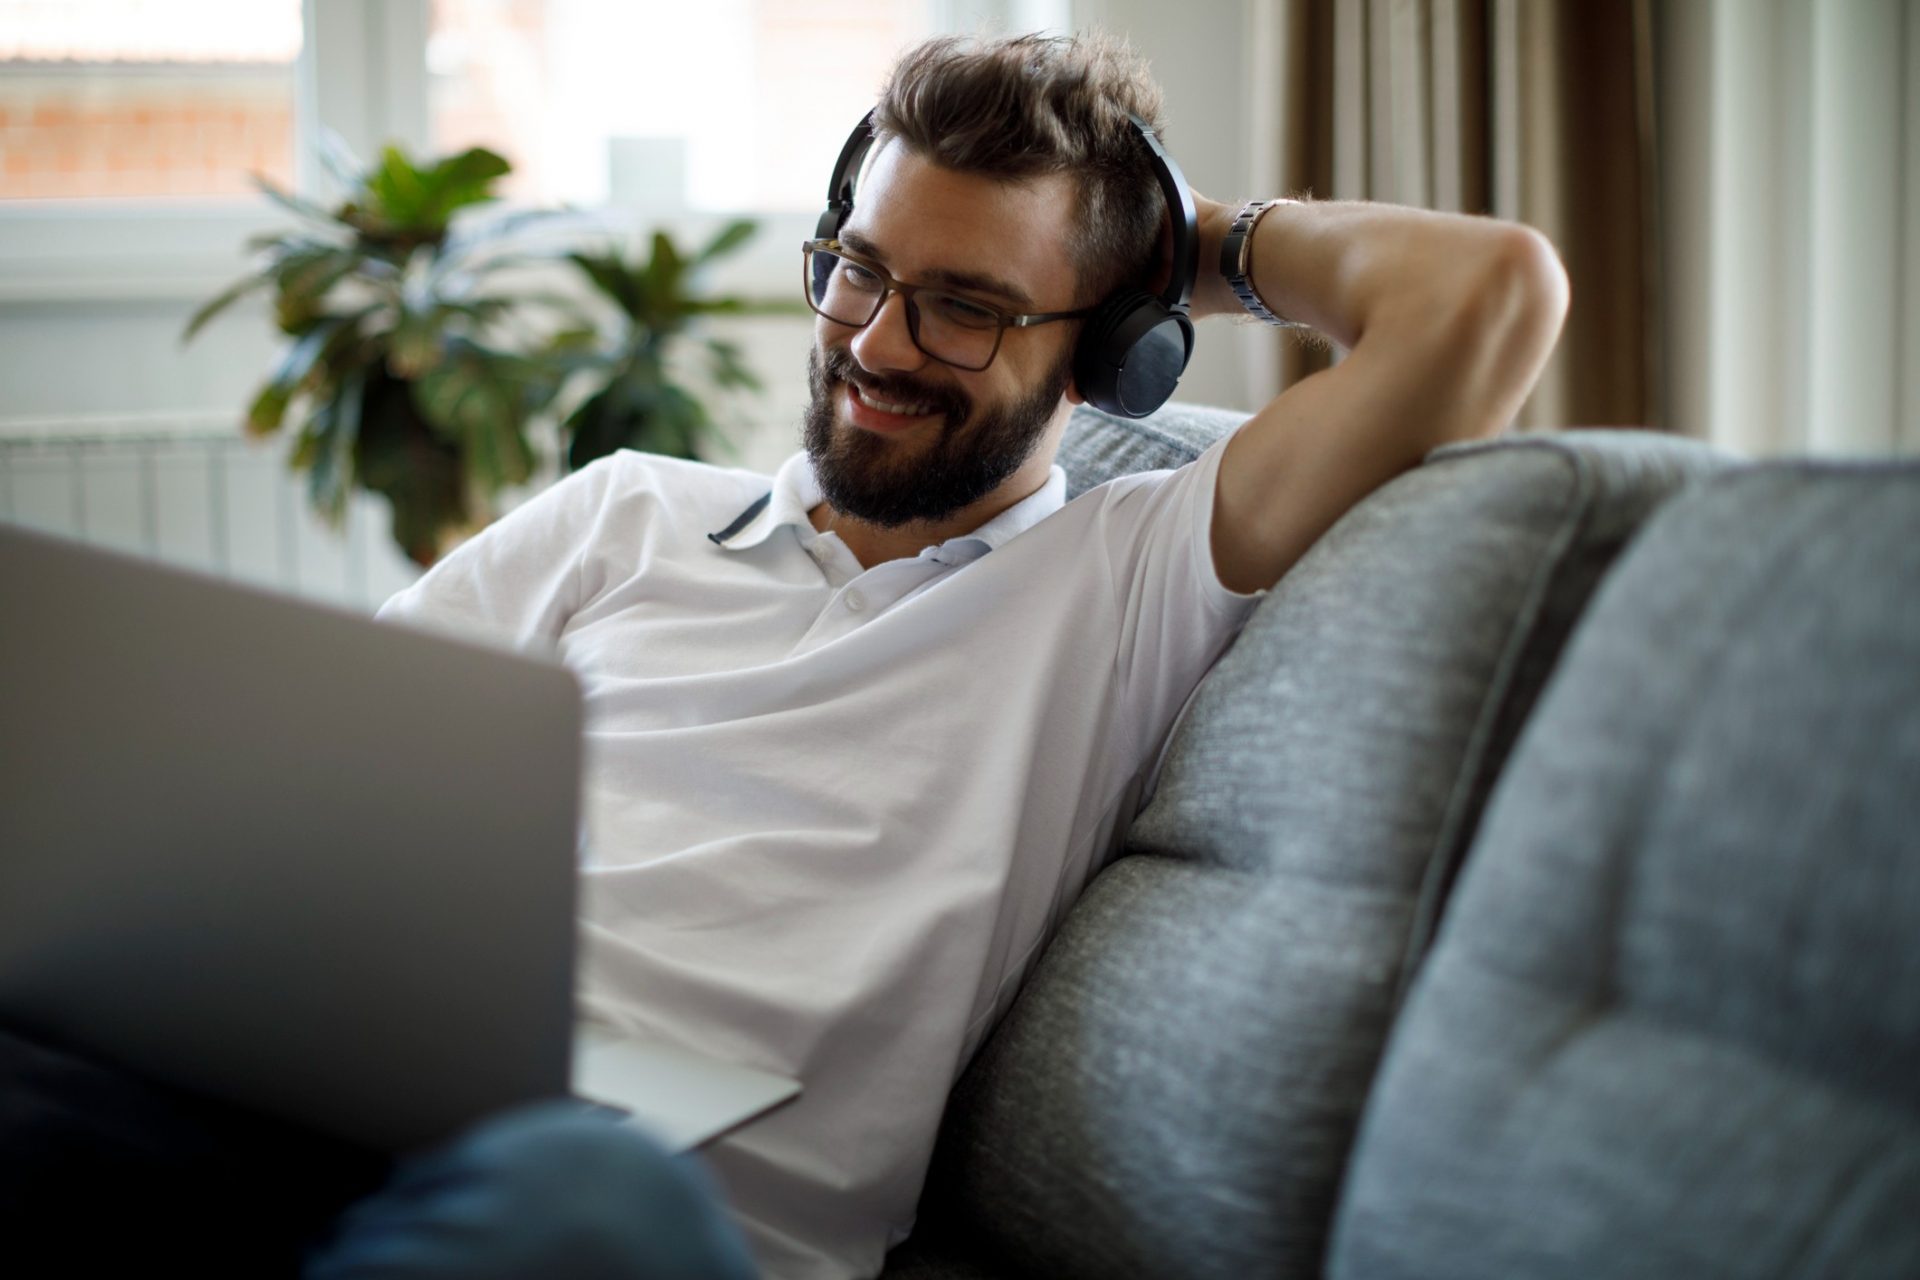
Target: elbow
{"points": [[1539, 279], [1523, 302], [1510, 326]]}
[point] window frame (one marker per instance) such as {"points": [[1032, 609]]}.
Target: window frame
{"points": [[362, 74], [351, 76]]}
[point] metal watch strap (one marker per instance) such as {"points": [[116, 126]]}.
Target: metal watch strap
{"points": [[1236, 260]]}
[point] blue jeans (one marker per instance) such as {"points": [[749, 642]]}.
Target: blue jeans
{"points": [[100, 1170]]}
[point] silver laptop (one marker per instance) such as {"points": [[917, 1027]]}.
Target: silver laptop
{"points": [[280, 854]]}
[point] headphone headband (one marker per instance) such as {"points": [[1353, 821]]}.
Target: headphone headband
{"points": [[1186, 219], [845, 170]]}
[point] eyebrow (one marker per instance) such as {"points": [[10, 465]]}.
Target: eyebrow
{"points": [[975, 281]]}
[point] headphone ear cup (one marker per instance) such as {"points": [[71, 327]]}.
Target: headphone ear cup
{"points": [[1132, 353]]}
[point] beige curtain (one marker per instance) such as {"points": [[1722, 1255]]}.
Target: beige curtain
{"points": [[1537, 110], [1790, 193]]}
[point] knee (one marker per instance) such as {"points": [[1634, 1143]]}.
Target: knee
{"points": [[553, 1188], [580, 1163]]}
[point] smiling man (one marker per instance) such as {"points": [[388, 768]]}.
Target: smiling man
{"points": [[859, 733]]}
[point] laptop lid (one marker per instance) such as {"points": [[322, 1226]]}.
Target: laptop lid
{"points": [[277, 853]]}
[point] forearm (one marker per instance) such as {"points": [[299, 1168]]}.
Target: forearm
{"points": [[1448, 321], [1442, 291]]}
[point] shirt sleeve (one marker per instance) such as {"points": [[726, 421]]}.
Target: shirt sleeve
{"points": [[516, 582], [1177, 617]]}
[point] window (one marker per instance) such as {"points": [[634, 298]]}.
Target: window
{"points": [[671, 114], [662, 105], [145, 98]]}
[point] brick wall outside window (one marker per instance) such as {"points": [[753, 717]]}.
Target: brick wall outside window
{"points": [[145, 97], [79, 132]]}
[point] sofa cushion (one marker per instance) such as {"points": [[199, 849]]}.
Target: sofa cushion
{"points": [[1175, 1092], [1098, 446], [1672, 1024]]}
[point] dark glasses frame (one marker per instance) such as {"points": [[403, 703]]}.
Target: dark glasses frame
{"points": [[1007, 320]]}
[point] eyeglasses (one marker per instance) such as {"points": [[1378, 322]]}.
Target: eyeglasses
{"points": [[963, 332]]}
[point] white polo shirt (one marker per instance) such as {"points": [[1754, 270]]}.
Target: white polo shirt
{"points": [[833, 813]]}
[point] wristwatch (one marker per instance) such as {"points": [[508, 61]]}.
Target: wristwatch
{"points": [[1236, 261]]}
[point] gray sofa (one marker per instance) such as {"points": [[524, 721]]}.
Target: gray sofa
{"points": [[1533, 889]]}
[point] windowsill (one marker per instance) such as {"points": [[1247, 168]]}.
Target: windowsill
{"points": [[111, 249], [183, 249]]}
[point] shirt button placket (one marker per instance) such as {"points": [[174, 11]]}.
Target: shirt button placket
{"points": [[855, 601]]}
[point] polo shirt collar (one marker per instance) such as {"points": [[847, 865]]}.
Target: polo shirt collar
{"points": [[796, 491]]}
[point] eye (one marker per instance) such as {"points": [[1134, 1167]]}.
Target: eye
{"points": [[959, 311], [858, 277]]}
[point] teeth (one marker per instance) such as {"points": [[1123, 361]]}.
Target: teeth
{"points": [[904, 410]]}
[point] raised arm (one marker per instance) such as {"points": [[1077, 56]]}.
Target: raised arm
{"points": [[1447, 321]]}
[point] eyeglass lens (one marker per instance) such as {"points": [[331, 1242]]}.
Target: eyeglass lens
{"points": [[946, 326]]}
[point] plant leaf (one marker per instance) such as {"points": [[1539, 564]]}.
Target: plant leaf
{"points": [[339, 159], [662, 282], [413, 348], [278, 244], [407, 201], [290, 202], [596, 429], [269, 406], [333, 428], [666, 258], [504, 225], [747, 307], [305, 278], [611, 277], [575, 340], [729, 370], [398, 189], [303, 366], [226, 298], [462, 180], [730, 238], [477, 400]]}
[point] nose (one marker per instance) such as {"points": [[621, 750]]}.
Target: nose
{"points": [[885, 345]]}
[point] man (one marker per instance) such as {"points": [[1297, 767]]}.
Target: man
{"points": [[859, 735], [853, 751]]}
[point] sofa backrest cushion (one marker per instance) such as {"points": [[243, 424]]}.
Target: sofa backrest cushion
{"points": [[1098, 446], [1175, 1091], [1672, 1023]]}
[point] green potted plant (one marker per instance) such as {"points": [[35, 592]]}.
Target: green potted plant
{"points": [[641, 403], [414, 370], [401, 369]]}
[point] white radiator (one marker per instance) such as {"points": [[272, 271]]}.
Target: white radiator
{"points": [[190, 490]]}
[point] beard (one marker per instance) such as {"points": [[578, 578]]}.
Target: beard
{"points": [[879, 481]]}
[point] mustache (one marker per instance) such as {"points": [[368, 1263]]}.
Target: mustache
{"points": [[955, 404]]}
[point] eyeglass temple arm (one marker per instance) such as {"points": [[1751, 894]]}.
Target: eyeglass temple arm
{"points": [[1022, 322]]}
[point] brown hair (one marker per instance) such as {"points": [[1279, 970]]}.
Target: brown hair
{"points": [[1025, 106]]}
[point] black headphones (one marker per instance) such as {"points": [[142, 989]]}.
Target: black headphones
{"points": [[1136, 344]]}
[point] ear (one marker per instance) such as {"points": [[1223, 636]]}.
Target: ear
{"points": [[1073, 392]]}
